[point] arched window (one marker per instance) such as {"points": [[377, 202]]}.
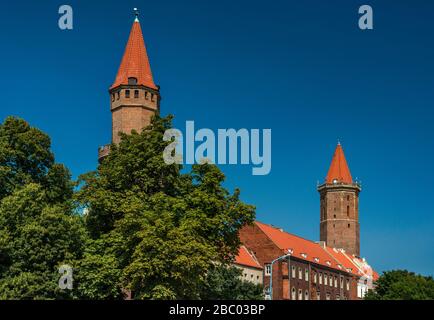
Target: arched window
{"points": [[320, 278], [325, 279], [306, 295], [331, 281], [293, 271], [306, 274], [300, 273], [314, 277], [293, 294], [300, 294], [318, 295], [348, 211]]}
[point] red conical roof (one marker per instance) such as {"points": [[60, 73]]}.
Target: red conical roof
{"points": [[135, 62], [339, 170]]}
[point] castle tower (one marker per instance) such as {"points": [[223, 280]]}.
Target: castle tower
{"points": [[339, 206], [134, 97]]}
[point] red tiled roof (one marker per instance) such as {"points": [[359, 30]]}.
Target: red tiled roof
{"points": [[300, 247], [315, 252], [246, 258], [344, 260], [339, 168], [135, 62]]}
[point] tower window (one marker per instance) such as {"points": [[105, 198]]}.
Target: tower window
{"points": [[118, 95], [136, 94], [348, 225], [348, 198], [268, 269], [348, 211], [127, 94], [132, 80]]}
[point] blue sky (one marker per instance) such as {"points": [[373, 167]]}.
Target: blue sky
{"points": [[301, 68]]}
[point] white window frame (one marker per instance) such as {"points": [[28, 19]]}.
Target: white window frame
{"points": [[267, 269]]}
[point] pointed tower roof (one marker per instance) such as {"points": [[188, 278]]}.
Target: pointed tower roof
{"points": [[135, 62], [339, 168]]}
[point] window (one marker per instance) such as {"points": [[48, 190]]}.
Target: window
{"points": [[325, 279], [127, 94], [338, 297], [132, 80], [342, 282], [318, 295], [328, 296], [348, 225], [268, 269], [320, 278], [300, 273], [348, 198], [136, 94], [300, 294], [306, 274], [306, 295], [348, 285], [336, 282], [314, 277], [331, 281], [293, 294], [293, 271], [119, 95]]}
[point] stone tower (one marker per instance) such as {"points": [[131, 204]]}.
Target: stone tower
{"points": [[339, 206], [134, 97]]}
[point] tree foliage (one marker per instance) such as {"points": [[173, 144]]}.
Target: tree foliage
{"points": [[158, 231], [38, 228], [402, 285], [225, 283]]}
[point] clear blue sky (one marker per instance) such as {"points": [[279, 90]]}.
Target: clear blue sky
{"points": [[301, 68]]}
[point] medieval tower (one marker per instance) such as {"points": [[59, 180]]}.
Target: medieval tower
{"points": [[134, 97], [339, 206]]}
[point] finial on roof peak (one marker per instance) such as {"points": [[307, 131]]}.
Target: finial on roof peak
{"points": [[136, 13]]}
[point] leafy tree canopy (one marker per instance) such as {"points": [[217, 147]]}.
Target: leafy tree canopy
{"points": [[38, 229], [402, 285], [225, 283], [155, 230]]}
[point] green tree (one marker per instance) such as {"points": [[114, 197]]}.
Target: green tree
{"points": [[402, 285], [225, 283], [158, 230], [38, 228]]}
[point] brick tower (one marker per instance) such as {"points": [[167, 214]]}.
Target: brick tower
{"points": [[134, 97], [339, 206]]}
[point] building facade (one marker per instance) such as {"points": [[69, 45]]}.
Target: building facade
{"points": [[134, 97], [329, 269], [339, 206]]}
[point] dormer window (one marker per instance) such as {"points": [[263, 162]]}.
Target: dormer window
{"points": [[132, 81]]}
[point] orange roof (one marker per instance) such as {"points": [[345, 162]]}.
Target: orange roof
{"points": [[135, 62], [300, 247], [315, 252], [344, 260], [246, 258], [339, 168]]}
